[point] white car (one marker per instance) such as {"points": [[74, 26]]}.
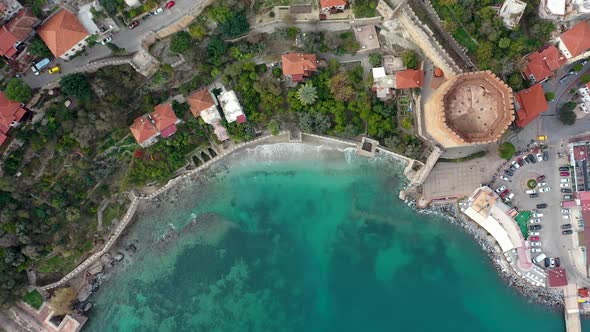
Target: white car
{"points": [[107, 40], [542, 184], [537, 215], [534, 233], [539, 156], [536, 244], [501, 189], [565, 211], [565, 216], [564, 180], [504, 178], [544, 189], [515, 164], [552, 262], [536, 250], [509, 197], [158, 11], [535, 221], [564, 185]]}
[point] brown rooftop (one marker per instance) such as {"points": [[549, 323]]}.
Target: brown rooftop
{"points": [[470, 108]]}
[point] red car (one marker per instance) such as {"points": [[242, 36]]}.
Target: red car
{"points": [[534, 238], [170, 4], [540, 178], [564, 173], [504, 193], [133, 24]]}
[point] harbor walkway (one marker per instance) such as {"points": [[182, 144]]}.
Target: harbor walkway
{"points": [[571, 310]]}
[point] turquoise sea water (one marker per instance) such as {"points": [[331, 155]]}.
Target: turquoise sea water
{"points": [[318, 243]]}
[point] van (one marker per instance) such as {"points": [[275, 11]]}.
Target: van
{"points": [[537, 215], [531, 191], [539, 258]]}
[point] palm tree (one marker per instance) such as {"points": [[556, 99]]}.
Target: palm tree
{"points": [[307, 94]]}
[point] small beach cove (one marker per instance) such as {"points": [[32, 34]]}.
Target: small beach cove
{"points": [[292, 237]]}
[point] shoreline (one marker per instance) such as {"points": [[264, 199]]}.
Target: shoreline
{"points": [[551, 298]]}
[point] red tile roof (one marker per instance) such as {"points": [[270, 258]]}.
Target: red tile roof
{"points": [[7, 43], [200, 101], [10, 111], [299, 64], [332, 3], [542, 64], [163, 116], [557, 277], [2, 138], [532, 103], [21, 25], [61, 32], [577, 39], [580, 153], [143, 129], [241, 118], [409, 78]]}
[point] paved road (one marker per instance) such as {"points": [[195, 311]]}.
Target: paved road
{"points": [[125, 38]]}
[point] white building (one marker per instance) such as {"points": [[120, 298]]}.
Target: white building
{"points": [[511, 12], [86, 18], [230, 105], [552, 9], [8, 8]]}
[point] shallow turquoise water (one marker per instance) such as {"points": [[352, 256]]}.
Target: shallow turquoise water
{"points": [[312, 245]]}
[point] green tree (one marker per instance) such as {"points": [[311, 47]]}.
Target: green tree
{"points": [[341, 87], [292, 32], [216, 47], [76, 85], [578, 67], [410, 59], [567, 117], [569, 106], [307, 94], [38, 48], [181, 42], [219, 13], [506, 150], [375, 59], [504, 43], [273, 126], [515, 81], [18, 90], [585, 78], [235, 25], [111, 6], [197, 30], [549, 96]]}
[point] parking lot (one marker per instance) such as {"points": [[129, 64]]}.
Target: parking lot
{"points": [[553, 242]]}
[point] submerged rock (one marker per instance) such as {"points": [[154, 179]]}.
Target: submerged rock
{"points": [[119, 257]]}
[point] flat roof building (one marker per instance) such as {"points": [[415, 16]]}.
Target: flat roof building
{"points": [[511, 12], [230, 105], [367, 38], [469, 109]]}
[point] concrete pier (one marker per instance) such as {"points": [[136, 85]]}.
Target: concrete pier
{"points": [[571, 311]]}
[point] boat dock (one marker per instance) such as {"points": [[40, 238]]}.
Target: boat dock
{"points": [[571, 310]]}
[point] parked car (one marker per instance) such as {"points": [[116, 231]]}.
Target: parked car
{"points": [[534, 233], [542, 206], [158, 11], [133, 24], [564, 226], [537, 215], [564, 173], [504, 178], [557, 263], [564, 185], [546, 262], [552, 262], [564, 169], [563, 79], [539, 156], [564, 180], [520, 161], [509, 197], [535, 221], [546, 155], [567, 232], [565, 211], [544, 189], [515, 164], [508, 172], [504, 193], [540, 178], [566, 191], [530, 191], [542, 184], [536, 227], [565, 216], [567, 197], [54, 70], [107, 40], [536, 244], [512, 168], [501, 189], [532, 158], [534, 238], [536, 250], [534, 195], [170, 4]]}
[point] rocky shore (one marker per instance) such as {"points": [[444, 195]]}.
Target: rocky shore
{"points": [[551, 297]]}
